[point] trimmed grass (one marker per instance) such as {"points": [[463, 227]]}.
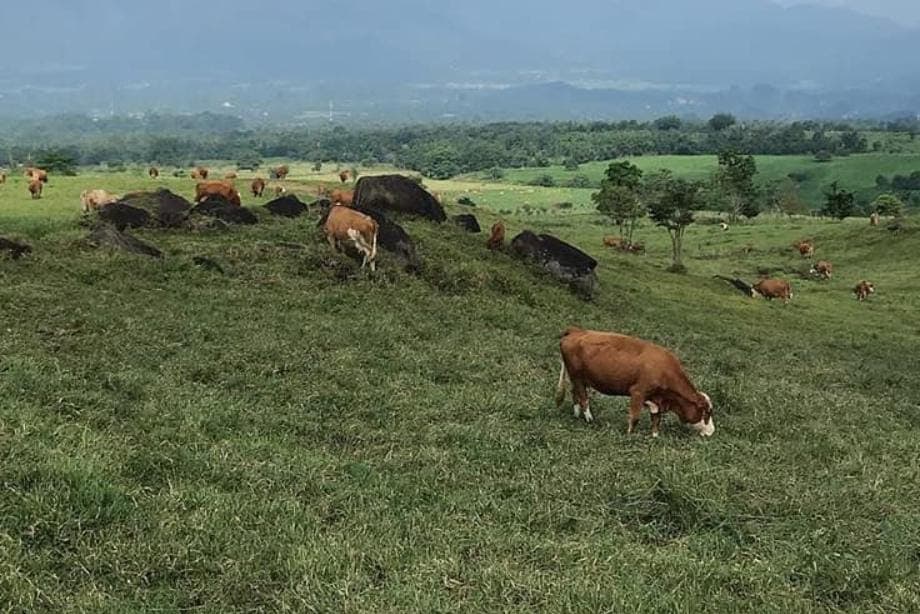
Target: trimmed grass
{"points": [[274, 438]]}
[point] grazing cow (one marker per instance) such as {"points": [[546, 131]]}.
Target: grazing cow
{"points": [[615, 242], [230, 176], [863, 289], [200, 173], [723, 225], [823, 268], [35, 188], [619, 365], [280, 172], [279, 190], [154, 172], [37, 174], [344, 176], [874, 219], [346, 224], [806, 248], [94, 199], [217, 188], [257, 186], [497, 238], [774, 288]]}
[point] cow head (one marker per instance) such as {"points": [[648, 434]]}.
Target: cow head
{"points": [[704, 425]]}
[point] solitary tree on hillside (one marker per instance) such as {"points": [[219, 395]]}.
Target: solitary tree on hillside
{"points": [[736, 178], [721, 121], [671, 206], [619, 197], [839, 203], [888, 204]]}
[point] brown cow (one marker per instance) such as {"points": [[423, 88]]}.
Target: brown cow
{"points": [[874, 219], [219, 188], [806, 248], [200, 173], [35, 188], [863, 289], [2, 178], [615, 242], [94, 199], [279, 190], [37, 174], [230, 176], [257, 186], [280, 172], [774, 288], [343, 176], [154, 172], [619, 365], [497, 238], [346, 224], [823, 268], [342, 197]]}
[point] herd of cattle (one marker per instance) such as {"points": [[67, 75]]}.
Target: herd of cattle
{"points": [[651, 376]]}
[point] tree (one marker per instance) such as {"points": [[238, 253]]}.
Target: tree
{"points": [[619, 199], [670, 205], [888, 204], [788, 199], [59, 161], [496, 172], [839, 203], [722, 121], [570, 164], [670, 122], [736, 178]]}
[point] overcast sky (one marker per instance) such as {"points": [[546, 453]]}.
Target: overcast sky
{"points": [[898, 10]]}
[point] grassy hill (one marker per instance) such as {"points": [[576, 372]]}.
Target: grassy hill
{"points": [[856, 172], [276, 438]]}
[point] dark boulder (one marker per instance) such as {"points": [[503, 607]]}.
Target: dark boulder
{"points": [[286, 206], [393, 238], [562, 260], [166, 209], [397, 194], [467, 222], [109, 236], [14, 249], [123, 216], [223, 210]]}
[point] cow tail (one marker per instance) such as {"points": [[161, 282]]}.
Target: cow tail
{"points": [[560, 388]]}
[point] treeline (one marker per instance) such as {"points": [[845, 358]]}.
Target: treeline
{"points": [[437, 151]]}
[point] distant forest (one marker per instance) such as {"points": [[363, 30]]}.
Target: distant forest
{"points": [[437, 151]]}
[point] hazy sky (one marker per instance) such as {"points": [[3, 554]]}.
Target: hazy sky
{"points": [[898, 10]]}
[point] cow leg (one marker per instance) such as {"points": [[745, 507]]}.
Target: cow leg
{"points": [[580, 397], [656, 417], [636, 401], [332, 242]]}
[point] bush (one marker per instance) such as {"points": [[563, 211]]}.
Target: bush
{"points": [[565, 205], [544, 181], [496, 173], [570, 165], [580, 181], [466, 200], [824, 156]]}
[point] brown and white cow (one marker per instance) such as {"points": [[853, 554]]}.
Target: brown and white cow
{"points": [[823, 268], [153, 172], [806, 248], [200, 173], [2, 178], [37, 174], [346, 224], [774, 288], [618, 365], [94, 199], [497, 238], [279, 190], [35, 188], [615, 242], [343, 176], [874, 219], [257, 186], [342, 197], [219, 188], [723, 225], [863, 289]]}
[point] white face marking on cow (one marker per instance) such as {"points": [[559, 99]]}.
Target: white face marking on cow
{"points": [[705, 430]]}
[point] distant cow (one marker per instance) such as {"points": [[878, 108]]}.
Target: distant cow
{"points": [[37, 174], [35, 188], [94, 199], [2, 178], [200, 173], [154, 172], [806, 248], [341, 197], [874, 219], [257, 186], [217, 188], [497, 236], [345, 224], [230, 176], [618, 365], [823, 268], [863, 289], [615, 242], [280, 172], [344, 176], [723, 225], [774, 288], [279, 190]]}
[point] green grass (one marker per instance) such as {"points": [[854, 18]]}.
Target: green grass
{"points": [[275, 439], [857, 172]]}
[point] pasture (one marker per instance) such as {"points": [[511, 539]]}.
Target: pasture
{"points": [[278, 436]]}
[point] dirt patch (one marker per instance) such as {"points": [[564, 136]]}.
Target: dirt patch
{"points": [[106, 235], [286, 206], [166, 209], [122, 216]]}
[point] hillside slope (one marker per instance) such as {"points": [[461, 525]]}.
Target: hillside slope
{"points": [[275, 437]]}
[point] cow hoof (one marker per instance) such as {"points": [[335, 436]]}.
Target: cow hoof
{"points": [[654, 435], [576, 410], [588, 417]]}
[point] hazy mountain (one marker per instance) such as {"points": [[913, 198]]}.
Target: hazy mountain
{"points": [[90, 54]]}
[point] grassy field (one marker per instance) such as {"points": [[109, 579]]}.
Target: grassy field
{"points": [[273, 438], [855, 173]]}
